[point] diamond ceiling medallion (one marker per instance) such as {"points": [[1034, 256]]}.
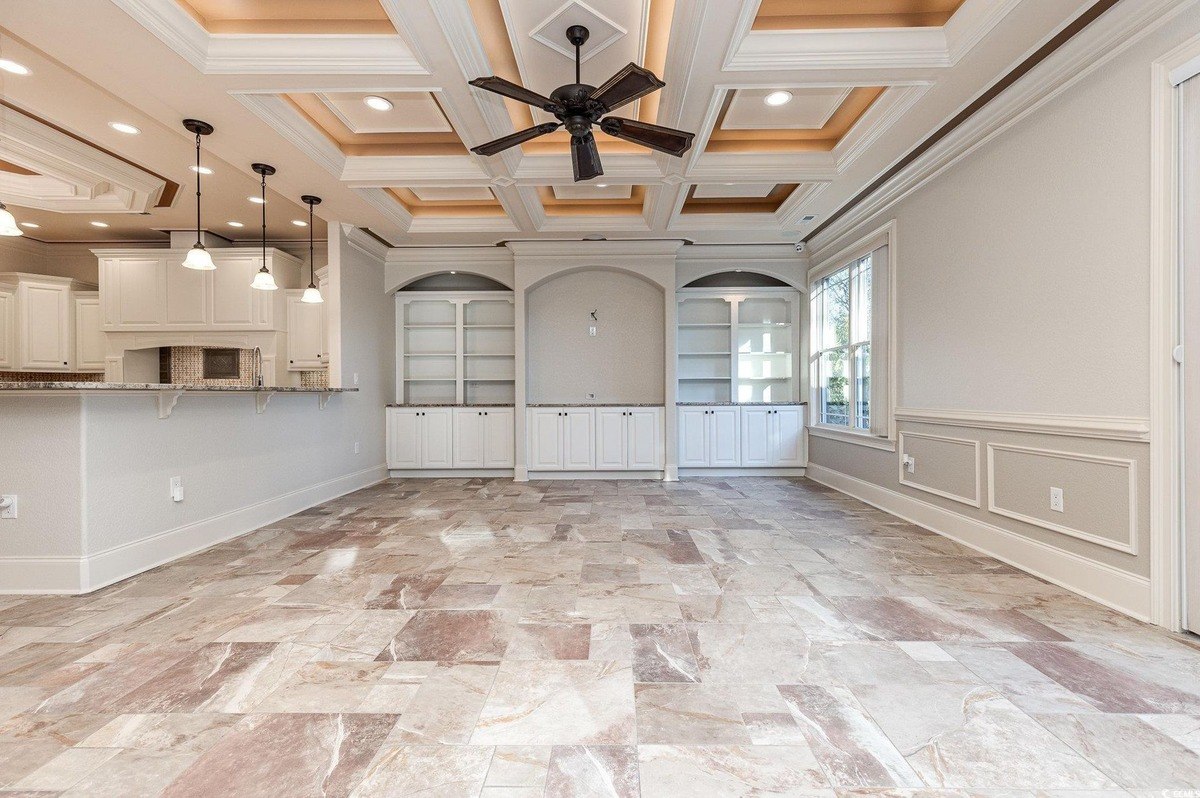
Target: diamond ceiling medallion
{"points": [[604, 31]]}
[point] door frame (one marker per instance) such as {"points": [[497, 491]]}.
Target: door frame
{"points": [[1166, 391]]}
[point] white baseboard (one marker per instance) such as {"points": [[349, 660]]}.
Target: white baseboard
{"points": [[535, 476], [1123, 591], [448, 473], [741, 472], [76, 575]]}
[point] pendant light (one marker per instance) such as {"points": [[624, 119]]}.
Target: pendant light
{"points": [[263, 281], [8, 224], [198, 257], [312, 294]]}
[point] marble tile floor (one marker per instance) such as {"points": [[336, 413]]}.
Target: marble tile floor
{"points": [[471, 637]]}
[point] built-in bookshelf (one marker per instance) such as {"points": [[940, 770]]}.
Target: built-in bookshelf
{"points": [[738, 345], [455, 348]]}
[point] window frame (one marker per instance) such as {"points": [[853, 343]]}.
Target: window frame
{"points": [[882, 340], [851, 349]]}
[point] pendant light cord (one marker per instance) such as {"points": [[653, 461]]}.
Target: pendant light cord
{"points": [[312, 280], [264, 221], [198, 190]]}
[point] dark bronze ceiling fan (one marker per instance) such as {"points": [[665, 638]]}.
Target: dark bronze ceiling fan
{"points": [[578, 106]]}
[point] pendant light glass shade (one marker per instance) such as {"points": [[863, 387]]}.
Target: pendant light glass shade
{"points": [[263, 281], [199, 259], [312, 294], [8, 224]]}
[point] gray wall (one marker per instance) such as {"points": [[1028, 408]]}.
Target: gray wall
{"points": [[1023, 287], [622, 363]]}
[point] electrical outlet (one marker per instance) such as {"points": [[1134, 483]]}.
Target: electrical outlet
{"points": [[357, 447], [592, 331], [356, 378], [1056, 499], [589, 395], [8, 506], [176, 489], [910, 464]]}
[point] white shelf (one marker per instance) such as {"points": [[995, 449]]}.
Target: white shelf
{"points": [[490, 354], [704, 354], [429, 354], [695, 325], [489, 327]]}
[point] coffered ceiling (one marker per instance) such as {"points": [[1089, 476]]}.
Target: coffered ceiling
{"points": [[366, 103]]}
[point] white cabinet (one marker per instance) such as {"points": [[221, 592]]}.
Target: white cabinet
{"points": [[89, 333], [773, 437], [420, 438], [483, 437], [142, 291], [561, 439], [305, 333], [8, 329], [629, 439], [43, 325], [709, 437]]}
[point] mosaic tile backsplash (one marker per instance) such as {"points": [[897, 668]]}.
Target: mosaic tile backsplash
{"points": [[49, 376], [187, 367]]}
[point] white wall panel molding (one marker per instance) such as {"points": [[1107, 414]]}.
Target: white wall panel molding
{"points": [[974, 501], [1113, 587], [1106, 38], [343, 54], [1112, 428], [1128, 546]]}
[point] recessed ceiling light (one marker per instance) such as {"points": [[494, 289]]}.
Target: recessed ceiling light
{"points": [[235, 224], [378, 103], [13, 67], [778, 98], [299, 222], [124, 127], [204, 170], [257, 200], [31, 225], [99, 224]]}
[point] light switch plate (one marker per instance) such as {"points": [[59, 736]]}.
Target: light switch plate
{"points": [[176, 489], [1056, 500], [9, 510]]}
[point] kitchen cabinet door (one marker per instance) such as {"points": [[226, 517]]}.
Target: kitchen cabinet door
{"points": [[44, 326], [579, 440], [469, 438], [724, 449], [498, 441], [611, 438], [787, 435], [437, 438], [756, 437], [693, 437], [403, 438], [89, 334], [644, 451], [545, 439], [304, 334]]}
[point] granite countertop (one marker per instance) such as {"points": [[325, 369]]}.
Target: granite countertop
{"points": [[452, 404], [165, 386], [740, 404], [594, 404]]}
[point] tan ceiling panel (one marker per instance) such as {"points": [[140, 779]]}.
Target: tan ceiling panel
{"points": [[290, 16], [766, 204], [844, 14], [411, 112], [316, 108], [557, 206], [490, 22], [822, 139], [13, 169], [452, 208], [809, 108]]}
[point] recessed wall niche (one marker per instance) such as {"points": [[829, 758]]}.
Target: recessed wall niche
{"points": [[622, 363]]}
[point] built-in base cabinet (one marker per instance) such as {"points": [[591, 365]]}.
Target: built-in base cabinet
{"points": [[742, 437], [49, 324], [595, 439], [433, 438]]}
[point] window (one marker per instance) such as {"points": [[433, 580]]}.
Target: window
{"points": [[841, 335], [849, 367]]}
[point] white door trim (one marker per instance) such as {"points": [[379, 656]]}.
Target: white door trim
{"points": [[1166, 521]]}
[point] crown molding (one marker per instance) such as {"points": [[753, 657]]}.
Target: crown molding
{"points": [[1112, 428], [284, 119], [1118, 29], [364, 242], [863, 48], [449, 256], [339, 54], [557, 250], [72, 176]]}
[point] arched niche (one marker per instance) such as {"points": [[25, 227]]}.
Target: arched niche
{"points": [[623, 362], [453, 281], [738, 278]]}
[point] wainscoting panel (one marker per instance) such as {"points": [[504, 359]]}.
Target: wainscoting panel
{"points": [[945, 466], [1099, 493]]}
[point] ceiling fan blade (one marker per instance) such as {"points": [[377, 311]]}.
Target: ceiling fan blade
{"points": [[509, 89], [656, 137], [585, 158], [513, 139], [630, 83]]}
